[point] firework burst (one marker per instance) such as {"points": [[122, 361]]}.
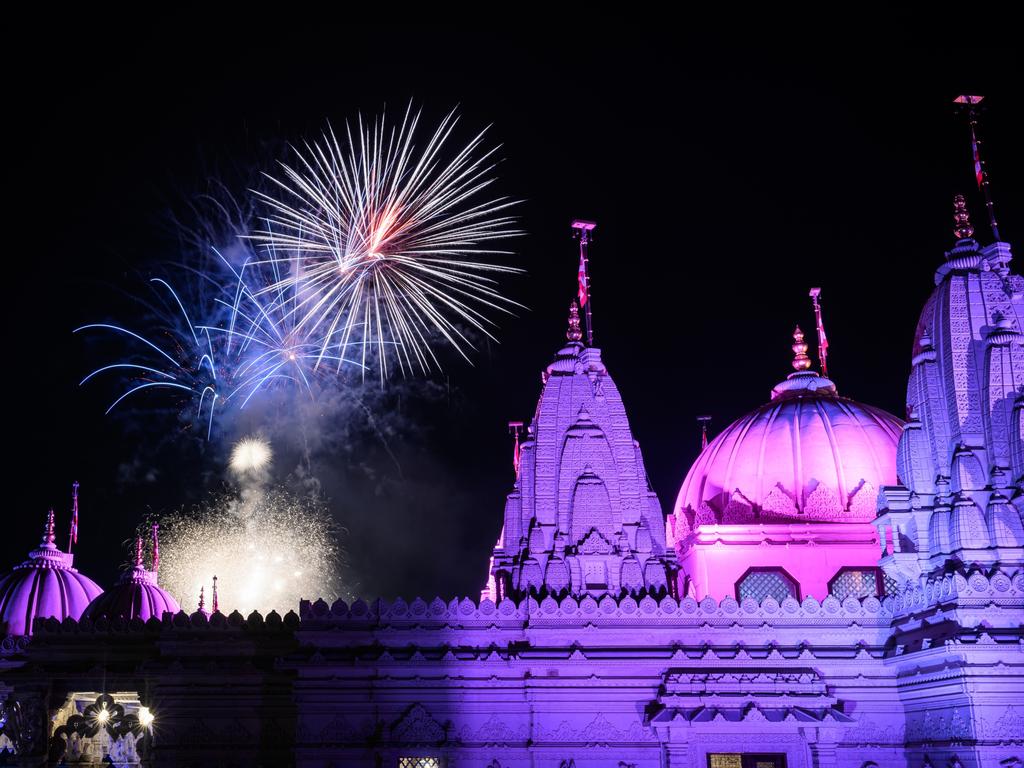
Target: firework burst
{"points": [[381, 246], [268, 549], [369, 253]]}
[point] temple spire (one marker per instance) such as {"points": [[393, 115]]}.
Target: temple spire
{"points": [[216, 607], [138, 551], [822, 338], [583, 228], [970, 105], [961, 218], [801, 362]]}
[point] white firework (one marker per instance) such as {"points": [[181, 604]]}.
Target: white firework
{"points": [[268, 552], [250, 455], [380, 246]]}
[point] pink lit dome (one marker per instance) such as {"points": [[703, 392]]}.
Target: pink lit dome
{"points": [[45, 585], [807, 455], [137, 594]]}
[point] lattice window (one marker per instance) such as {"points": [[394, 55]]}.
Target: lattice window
{"points": [[761, 584], [725, 761], [419, 762], [858, 583], [889, 585]]}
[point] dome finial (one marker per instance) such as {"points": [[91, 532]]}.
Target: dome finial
{"points": [[48, 536], [215, 606], [574, 333], [801, 362], [138, 551], [202, 599], [961, 218]]}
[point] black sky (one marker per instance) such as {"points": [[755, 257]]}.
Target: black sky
{"points": [[726, 181]]}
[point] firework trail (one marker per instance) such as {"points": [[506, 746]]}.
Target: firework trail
{"points": [[183, 362], [381, 245]]}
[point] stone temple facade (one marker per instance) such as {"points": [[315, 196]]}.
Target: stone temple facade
{"points": [[832, 589]]}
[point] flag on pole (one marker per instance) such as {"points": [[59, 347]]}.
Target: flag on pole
{"points": [[515, 427], [979, 173], [822, 338], [74, 513], [582, 280]]}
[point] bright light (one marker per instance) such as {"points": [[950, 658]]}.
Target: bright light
{"points": [[102, 716], [250, 455], [145, 717], [269, 550]]}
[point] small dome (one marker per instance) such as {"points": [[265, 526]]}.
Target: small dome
{"points": [[46, 585], [136, 594], [808, 454]]}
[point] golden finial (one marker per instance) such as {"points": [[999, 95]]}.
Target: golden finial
{"points": [[801, 362], [574, 333], [961, 218]]}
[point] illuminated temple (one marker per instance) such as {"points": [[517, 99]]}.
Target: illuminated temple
{"points": [[833, 588]]}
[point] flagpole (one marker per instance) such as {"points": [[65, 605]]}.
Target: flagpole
{"points": [[981, 170], [516, 428], [73, 533], [583, 229], [822, 338]]}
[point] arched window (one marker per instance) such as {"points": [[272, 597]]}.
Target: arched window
{"points": [[857, 582], [759, 583]]}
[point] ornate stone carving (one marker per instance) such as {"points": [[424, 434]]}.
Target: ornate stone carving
{"points": [[417, 726]]}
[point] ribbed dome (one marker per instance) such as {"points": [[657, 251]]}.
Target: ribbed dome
{"points": [[136, 596], [807, 454], [45, 585]]}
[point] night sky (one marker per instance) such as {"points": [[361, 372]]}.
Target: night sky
{"points": [[725, 183]]}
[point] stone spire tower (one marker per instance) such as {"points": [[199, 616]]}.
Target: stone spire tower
{"points": [[582, 517], [961, 456]]}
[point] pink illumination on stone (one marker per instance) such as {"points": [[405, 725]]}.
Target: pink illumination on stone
{"points": [[759, 494], [46, 585], [806, 455]]}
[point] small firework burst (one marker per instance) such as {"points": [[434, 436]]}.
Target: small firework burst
{"points": [[250, 455]]}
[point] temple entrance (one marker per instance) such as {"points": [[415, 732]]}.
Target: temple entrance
{"points": [[745, 760]]}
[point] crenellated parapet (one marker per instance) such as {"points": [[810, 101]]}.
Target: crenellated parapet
{"points": [[589, 611], [170, 622]]}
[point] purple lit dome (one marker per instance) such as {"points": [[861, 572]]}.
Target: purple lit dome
{"points": [[45, 585], [135, 596], [807, 455]]}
